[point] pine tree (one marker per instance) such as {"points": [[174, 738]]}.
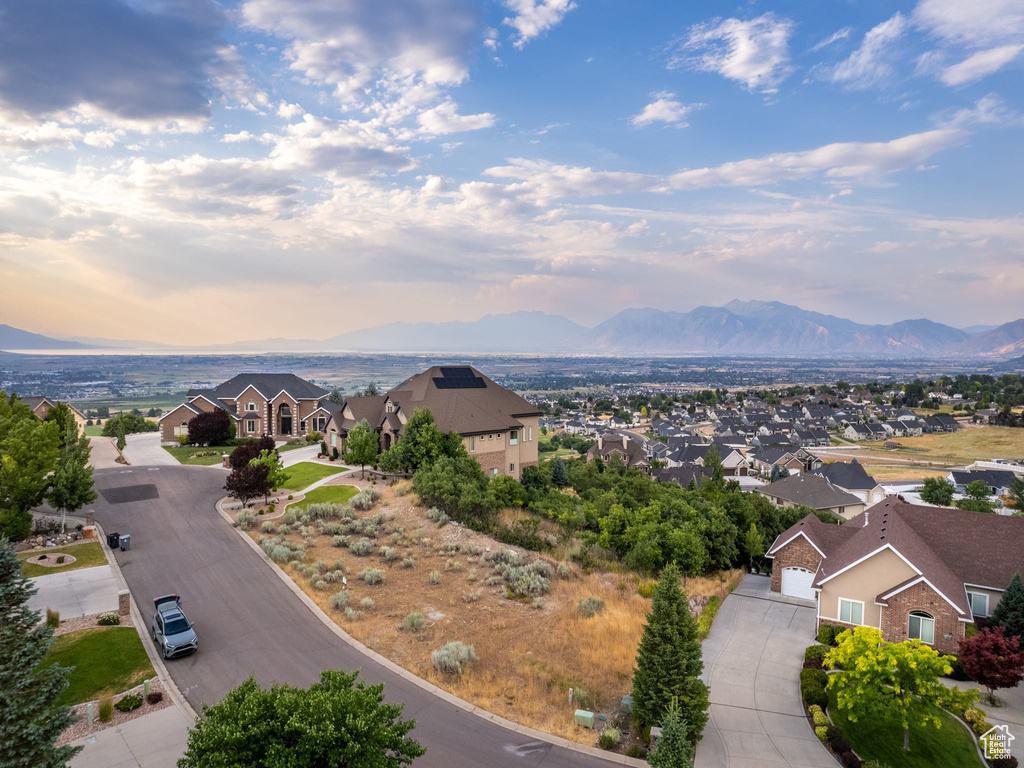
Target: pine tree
{"points": [[30, 718], [668, 662], [1009, 613], [674, 748], [559, 476], [71, 483]]}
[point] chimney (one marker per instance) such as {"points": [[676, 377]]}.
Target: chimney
{"points": [[600, 442], [865, 518], [624, 441]]}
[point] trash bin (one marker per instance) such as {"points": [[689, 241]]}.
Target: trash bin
{"points": [[113, 540], [126, 542]]}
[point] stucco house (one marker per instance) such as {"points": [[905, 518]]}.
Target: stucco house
{"points": [[812, 491], [630, 451], [498, 427], [854, 479], [41, 407], [280, 405], [912, 571]]}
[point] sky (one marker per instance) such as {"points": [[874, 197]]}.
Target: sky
{"points": [[188, 171]]}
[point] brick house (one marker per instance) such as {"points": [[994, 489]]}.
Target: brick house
{"points": [[280, 405], [912, 571], [498, 427]]}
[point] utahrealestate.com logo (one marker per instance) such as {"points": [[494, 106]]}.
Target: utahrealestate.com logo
{"points": [[996, 742]]}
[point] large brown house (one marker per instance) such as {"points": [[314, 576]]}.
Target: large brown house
{"points": [[41, 407], [498, 427], [911, 571], [280, 405]]}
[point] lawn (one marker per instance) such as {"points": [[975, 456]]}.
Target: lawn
{"points": [[563, 452], [963, 447], [198, 455], [336, 494], [86, 556], [306, 473], [107, 661], [93, 431], [293, 446], [873, 737]]}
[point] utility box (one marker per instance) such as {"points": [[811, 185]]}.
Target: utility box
{"points": [[584, 718], [626, 707]]}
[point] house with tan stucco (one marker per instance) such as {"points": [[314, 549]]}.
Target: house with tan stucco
{"points": [[41, 408], [911, 571]]}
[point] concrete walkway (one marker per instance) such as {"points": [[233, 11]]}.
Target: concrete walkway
{"points": [[752, 662], [1012, 711], [77, 593], [145, 450], [103, 453], [150, 741]]}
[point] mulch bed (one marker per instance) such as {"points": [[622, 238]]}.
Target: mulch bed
{"points": [[81, 729], [49, 559], [87, 622]]}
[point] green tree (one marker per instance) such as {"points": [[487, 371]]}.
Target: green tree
{"points": [[422, 443], [977, 489], [129, 424], [276, 475], [337, 396], [900, 680], [938, 491], [363, 446], [71, 486], [1009, 612], [754, 543], [28, 453], [121, 441], [1017, 493], [668, 662], [334, 722], [30, 718], [977, 498], [559, 477], [713, 461], [457, 486], [371, 390], [674, 748]]}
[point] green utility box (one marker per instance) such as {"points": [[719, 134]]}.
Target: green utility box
{"points": [[584, 718]]}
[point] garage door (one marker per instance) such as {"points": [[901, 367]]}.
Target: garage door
{"points": [[796, 582]]}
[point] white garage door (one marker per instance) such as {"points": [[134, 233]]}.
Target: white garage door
{"points": [[796, 582]]}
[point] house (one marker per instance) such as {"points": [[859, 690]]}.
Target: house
{"points": [[682, 475], [942, 422], [631, 451], [911, 571], [854, 479], [814, 491], [280, 405], [997, 480], [41, 407], [498, 427], [868, 431]]}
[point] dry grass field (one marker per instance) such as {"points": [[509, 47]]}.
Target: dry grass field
{"points": [[529, 654], [958, 448]]}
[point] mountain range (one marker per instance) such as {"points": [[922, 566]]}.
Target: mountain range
{"points": [[761, 328]]}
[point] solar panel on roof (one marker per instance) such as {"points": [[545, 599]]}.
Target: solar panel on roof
{"points": [[459, 382], [457, 372]]}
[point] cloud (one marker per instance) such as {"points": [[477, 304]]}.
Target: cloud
{"points": [[871, 63], [988, 110], [980, 64], [338, 149], [444, 119], [236, 138], [976, 25], [664, 109], [288, 111], [754, 52], [531, 18], [835, 37], [138, 62]]}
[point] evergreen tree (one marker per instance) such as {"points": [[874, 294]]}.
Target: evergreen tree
{"points": [[559, 476], [337, 396], [674, 748], [363, 446], [1009, 613], [71, 483], [668, 662], [30, 718]]}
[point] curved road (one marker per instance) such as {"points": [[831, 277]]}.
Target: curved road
{"points": [[249, 622]]}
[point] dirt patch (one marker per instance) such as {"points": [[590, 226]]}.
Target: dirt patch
{"points": [[52, 559]]}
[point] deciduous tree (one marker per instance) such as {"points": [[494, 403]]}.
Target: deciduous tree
{"points": [[247, 482], [209, 428], [28, 453], [363, 446], [274, 473], [754, 542], [71, 486], [993, 659], [422, 443], [938, 491], [249, 450]]}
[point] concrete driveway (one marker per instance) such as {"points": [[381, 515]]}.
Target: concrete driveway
{"points": [[76, 593], [144, 450], [250, 622], [103, 452], [752, 662], [299, 455]]}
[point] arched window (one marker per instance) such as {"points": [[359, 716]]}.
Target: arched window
{"points": [[922, 627], [285, 409], [181, 429]]}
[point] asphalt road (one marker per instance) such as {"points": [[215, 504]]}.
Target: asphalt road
{"points": [[249, 622]]}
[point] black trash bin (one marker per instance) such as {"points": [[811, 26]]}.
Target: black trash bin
{"points": [[114, 540]]}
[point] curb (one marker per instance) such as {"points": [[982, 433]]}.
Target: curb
{"points": [[440, 693], [154, 658]]}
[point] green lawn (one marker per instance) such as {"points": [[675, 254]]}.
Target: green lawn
{"points": [[293, 446], [86, 556], [875, 738], [107, 661], [336, 494], [563, 452], [306, 473], [94, 431], [198, 455]]}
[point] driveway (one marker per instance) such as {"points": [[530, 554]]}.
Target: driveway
{"points": [[76, 593], [299, 455], [156, 740], [752, 662], [249, 621], [144, 450], [103, 453]]}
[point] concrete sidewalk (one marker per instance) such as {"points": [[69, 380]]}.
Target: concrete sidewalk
{"points": [[77, 593], [150, 741]]}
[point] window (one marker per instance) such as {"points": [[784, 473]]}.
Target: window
{"points": [[250, 425], [490, 437], [511, 467], [851, 611], [181, 429], [321, 423], [529, 431], [979, 603], [472, 443], [494, 472], [334, 439], [513, 437], [302, 425], [922, 627], [250, 406]]}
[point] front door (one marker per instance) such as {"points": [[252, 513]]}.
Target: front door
{"points": [[286, 425]]}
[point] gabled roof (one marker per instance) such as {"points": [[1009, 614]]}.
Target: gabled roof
{"points": [[850, 476], [267, 384], [997, 478], [810, 490]]}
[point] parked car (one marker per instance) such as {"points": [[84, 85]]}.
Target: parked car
{"points": [[171, 630]]}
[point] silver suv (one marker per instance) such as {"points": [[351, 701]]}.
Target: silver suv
{"points": [[171, 631]]}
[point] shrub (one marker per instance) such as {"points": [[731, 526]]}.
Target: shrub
{"points": [[340, 541], [812, 687], [61, 559], [390, 554], [957, 671], [452, 565], [52, 618], [646, 588], [320, 585], [339, 600], [813, 664], [833, 731], [451, 657], [365, 499], [128, 703], [590, 606], [333, 577], [850, 760], [472, 596], [581, 697], [609, 739], [372, 575], [565, 570], [981, 727], [109, 620], [353, 615], [815, 652], [414, 621], [106, 709], [154, 697], [246, 519], [820, 718], [827, 633], [361, 547], [525, 580], [408, 562], [538, 603], [839, 745], [367, 604], [974, 715], [637, 751], [435, 577], [821, 732], [471, 576], [324, 510], [1003, 762], [437, 516], [267, 526]]}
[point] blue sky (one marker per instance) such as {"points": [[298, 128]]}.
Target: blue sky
{"points": [[169, 167]]}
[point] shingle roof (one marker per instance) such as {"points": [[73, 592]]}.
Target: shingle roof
{"points": [[851, 476], [997, 478], [810, 490], [268, 384]]}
